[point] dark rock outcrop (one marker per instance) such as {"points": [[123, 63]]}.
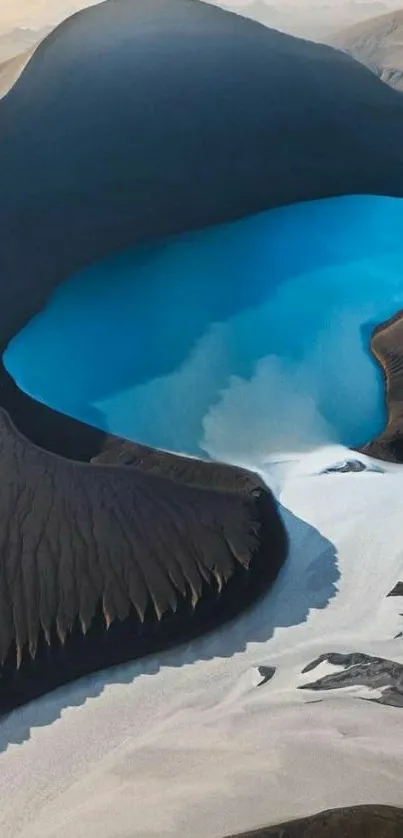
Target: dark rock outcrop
{"points": [[397, 590], [345, 468], [387, 347], [266, 673], [358, 669], [350, 822]]}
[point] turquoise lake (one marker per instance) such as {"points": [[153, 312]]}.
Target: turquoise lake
{"points": [[237, 341]]}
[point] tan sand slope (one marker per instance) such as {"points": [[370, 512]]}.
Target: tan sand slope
{"points": [[37, 14], [23, 25], [309, 19], [20, 40], [378, 43], [11, 70]]}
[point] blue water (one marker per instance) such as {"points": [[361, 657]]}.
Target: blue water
{"points": [[238, 341]]}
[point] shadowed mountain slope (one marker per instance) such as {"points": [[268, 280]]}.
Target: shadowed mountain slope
{"points": [[176, 115]]}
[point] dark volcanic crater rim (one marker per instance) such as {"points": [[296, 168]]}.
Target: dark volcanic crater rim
{"points": [[88, 168]]}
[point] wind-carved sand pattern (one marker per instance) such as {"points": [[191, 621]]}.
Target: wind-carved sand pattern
{"points": [[93, 592]]}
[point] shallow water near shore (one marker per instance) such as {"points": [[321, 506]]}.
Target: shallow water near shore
{"points": [[238, 342]]}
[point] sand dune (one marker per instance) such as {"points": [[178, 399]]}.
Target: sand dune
{"points": [[131, 539], [368, 821]]}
